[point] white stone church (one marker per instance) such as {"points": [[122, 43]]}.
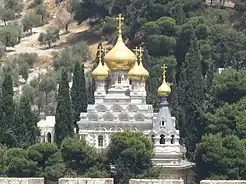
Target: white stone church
{"points": [[120, 104]]}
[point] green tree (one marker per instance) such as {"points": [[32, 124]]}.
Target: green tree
{"points": [[221, 157], [48, 160], [64, 118], [79, 157], [31, 20], [41, 10], [27, 131], [7, 109], [130, 153], [7, 15], [19, 165], [49, 37], [78, 92], [15, 5], [191, 90], [3, 159], [9, 35]]}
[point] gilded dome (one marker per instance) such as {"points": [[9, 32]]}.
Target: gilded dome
{"points": [[106, 67], [164, 89], [100, 72], [143, 71], [135, 73], [120, 57]]}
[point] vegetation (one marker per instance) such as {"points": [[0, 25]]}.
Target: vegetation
{"points": [[193, 39]]}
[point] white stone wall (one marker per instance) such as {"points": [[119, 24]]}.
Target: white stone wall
{"points": [[223, 182], [21, 180], [155, 181], [86, 181]]}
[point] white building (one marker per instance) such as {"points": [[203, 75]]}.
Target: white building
{"points": [[120, 104]]}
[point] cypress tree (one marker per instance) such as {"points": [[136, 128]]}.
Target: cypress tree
{"points": [[64, 119], [7, 110], [78, 92], [191, 98], [26, 130]]}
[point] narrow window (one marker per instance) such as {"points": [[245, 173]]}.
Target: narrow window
{"points": [[100, 141], [172, 140], [119, 79], [162, 140], [49, 137]]}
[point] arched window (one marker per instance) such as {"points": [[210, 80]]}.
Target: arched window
{"points": [[130, 81], [119, 79], [172, 140], [49, 137], [100, 141], [152, 138], [163, 122], [162, 140]]}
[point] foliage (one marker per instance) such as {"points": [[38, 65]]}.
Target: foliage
{"points": [[31, 20], [7, 15], [64, 117], [48, 160], [130, 153], [78, 92], [9, 35], [26, 129], [70, 55], [49, 37]]}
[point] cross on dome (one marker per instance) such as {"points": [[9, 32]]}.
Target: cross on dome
{"points": [[136, 51], [100, 50], [105, 50], [140, 50], [164, 67], [120, 23]]}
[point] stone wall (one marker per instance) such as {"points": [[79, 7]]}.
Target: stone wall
{"points": [[223, 182], [21, 180], [86, 181], [155, 181]]}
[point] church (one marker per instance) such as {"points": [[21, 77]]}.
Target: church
{"points": [[120, 105]]}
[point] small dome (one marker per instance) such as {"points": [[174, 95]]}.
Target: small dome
{"points": [[100, 72], [120, 57], [164, 89], [135, 73], [143, 71]]}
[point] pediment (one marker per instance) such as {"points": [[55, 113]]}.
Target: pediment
{"points": [[124, 117], [116, 108], [139, 117], [132, 108], [108, 117], [101, 108], [92, 116]]}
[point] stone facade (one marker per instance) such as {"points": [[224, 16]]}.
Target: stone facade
{"points": [[223, 182], [111, 181], [21, 180], [155, 181], [86, 181]]}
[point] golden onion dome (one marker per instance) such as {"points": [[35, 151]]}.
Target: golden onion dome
{"points": [[100, 72], [164, 89], [135, 73], [106, 67], [143, 71], [120, 57]]}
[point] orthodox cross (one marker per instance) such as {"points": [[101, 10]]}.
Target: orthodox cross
{"points": [[140, 50], [100, 50], [105, 50], [136, 51], [164, 67], [120, 23]]}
